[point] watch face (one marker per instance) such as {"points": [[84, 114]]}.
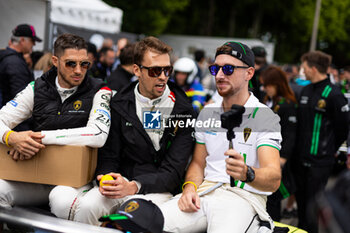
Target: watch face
{"points": [[250, 174]]}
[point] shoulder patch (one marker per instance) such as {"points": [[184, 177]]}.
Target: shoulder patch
{"points": [[106, 88], [172, 96], [32, 84]]}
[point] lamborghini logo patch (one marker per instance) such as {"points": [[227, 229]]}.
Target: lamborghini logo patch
{"points": [[321, 104], [132, 206], [77, 105], [246, 133]]}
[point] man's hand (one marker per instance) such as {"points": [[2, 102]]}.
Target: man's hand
{"points": [[235, 165], [119, 187], [189, 201], [16, 155], [26, 144]]}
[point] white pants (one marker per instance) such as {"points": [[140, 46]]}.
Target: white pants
{"points": [[220, 211], [64, 200], [91, 205], [23, 193]]}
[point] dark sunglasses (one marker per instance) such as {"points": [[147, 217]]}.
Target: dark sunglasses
{"points": [[156, 71], [226, 69], [73, 64]]}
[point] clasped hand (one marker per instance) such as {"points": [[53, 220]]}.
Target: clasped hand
{"points": [[25, 144]]}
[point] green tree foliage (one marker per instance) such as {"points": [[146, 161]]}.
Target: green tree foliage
{"points": [[288, 22], [149, 17]]}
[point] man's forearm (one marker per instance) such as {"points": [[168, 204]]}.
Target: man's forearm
{"points": [[267, 179]]}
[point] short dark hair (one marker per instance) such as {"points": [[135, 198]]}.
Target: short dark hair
{"points": [[68, 41], [199, 55], [126, 56], [104, 50], [320, 60], [91, 48], [149, 44]]}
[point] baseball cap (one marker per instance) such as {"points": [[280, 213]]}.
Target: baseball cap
{"points": [[259, 51], [240, 51], [136, 215], [26, 30]]}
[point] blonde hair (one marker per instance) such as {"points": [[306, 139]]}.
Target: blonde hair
{"points": [[44, 63]]}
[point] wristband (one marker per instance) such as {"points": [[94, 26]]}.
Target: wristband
{"points": [[7, 138], [189, 182]]}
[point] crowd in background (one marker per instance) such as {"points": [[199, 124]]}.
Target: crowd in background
{"points": [[279, 86]]}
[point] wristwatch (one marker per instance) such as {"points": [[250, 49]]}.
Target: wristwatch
{"points": [[250, 175]]}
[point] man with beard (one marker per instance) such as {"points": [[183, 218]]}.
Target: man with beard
{"points": [[67, 109], [103, 67], [208, 201], [146, 159]]}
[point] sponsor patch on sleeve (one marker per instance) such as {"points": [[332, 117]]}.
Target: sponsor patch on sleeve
{"points": [[13, 103]]}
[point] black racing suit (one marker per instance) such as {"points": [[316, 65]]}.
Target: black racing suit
{"points": [[14, 74], [287, 111], [130, 152], [322, 128]]}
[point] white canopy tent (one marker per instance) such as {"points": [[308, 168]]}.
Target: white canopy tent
{"points": [[88, 14], [92, 15]]}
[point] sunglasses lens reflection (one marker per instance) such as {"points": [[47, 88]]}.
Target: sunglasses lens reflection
{"points": [[85, 64], [228, 69], [157, 71], [214, 69], [73, 64]]}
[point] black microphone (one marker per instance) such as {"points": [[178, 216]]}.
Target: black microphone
{"points": [[229, 120]]}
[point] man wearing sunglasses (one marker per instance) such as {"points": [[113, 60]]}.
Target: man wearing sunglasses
{"points": [[67, 109], [145, 162], [210, 201]]}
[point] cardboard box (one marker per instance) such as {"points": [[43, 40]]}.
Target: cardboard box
{"points": [[58, 165]]}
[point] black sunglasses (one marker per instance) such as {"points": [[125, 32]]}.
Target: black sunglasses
{"points": [[226, 69], [156, 71], [73, 64]]}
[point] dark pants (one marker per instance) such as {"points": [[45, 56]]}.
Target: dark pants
{"points": [[273, 207], [309, 181]]}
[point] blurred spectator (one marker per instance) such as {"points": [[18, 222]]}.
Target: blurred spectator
{"points": [[333, 74], [260, 65], [28, 60], [14, 72], [107, 43], [36, 55], [332, 207], [185, 76], [208, 82], [122, 76], [345, 81], [280, 98], [92, 52], [122, 42], [102, 68], [292, 74], [202, 66], [322, 128], [43, 65]]}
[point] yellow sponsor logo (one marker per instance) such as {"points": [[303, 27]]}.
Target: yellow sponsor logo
{"points": [[77, 105], [132, 206], [246, 133]]}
